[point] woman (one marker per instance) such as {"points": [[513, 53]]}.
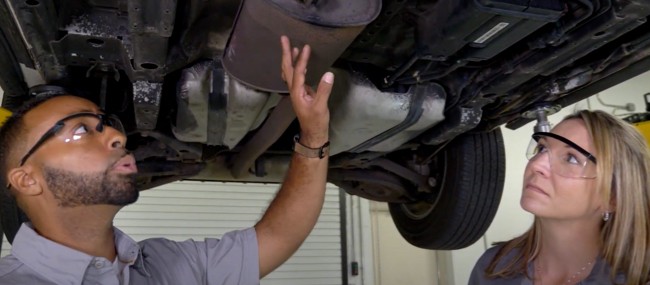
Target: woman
{"points": [[587, 183]]}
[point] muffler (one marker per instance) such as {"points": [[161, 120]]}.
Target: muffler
{"points": [[253, 52]]}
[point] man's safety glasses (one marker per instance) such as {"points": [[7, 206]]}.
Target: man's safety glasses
{"points": [[75, 127], [565, 157]]}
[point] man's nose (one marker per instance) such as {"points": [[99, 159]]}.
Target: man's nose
{"points": [[116, 139]]}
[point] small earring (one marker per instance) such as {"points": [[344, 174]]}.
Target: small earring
{"points": [[607, 216]]}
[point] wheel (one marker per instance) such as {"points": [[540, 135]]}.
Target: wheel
{"points": [[469, 175]]}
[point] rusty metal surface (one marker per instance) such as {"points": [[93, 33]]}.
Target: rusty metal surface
{"points": [[371, 184], [151, 25], [275, 169], [146, 103], [459, 120], [181, 151], [421, 181], [37, 22]]}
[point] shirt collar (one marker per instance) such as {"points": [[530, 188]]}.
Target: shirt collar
{"points": [[48, 257], [57, 262], [129, 252]]}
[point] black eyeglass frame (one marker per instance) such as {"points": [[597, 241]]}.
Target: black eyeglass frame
{"points": [[536, 136], [103, 119]]}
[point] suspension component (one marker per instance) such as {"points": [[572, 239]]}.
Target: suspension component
{"points": [[540, 113]]}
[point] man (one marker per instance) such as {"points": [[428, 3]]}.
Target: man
{"points": [[66, 165]]}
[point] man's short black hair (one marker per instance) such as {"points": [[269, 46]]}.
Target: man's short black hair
{"points": [[12, 133]]}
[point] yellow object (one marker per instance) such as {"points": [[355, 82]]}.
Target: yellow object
{"points": [[644, 128], [4, 114]]}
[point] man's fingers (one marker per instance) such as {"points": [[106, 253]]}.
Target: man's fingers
{"points": [[324, 87], [303, 58], [287, 60], [294, 68], [300, 68], [294, 57]]}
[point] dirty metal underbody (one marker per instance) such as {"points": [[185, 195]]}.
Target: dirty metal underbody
{"points": [[197, 82]]}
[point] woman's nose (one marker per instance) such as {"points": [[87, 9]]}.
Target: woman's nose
{"points": [[541, 163]]}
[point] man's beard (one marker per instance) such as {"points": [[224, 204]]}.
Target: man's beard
{"points": [[76, 189]]}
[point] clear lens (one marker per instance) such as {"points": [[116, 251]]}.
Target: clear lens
{"points": [[114, 122], [564, 159], [78, 127], [75, 127]]}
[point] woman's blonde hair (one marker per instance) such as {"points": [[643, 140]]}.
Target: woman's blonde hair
{"points": [[623, 165]]}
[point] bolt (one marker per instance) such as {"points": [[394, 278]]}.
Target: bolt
{"points": [[432, 182]]}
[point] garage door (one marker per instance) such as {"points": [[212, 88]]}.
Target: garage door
{"points": [[195, 210]]}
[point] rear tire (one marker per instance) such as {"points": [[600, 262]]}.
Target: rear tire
{"points": [[470, 174]]}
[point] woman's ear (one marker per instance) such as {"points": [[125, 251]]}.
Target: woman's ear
{"points": [[23, 182], [612, 202]]}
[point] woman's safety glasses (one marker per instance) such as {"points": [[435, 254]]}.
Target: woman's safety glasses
{"points": [[565, 157]]}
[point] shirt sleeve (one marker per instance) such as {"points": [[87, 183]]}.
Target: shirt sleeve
{"points": [[234, 259], [231, 260]]}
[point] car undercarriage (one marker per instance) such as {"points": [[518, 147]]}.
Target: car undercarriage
{"points": [[422, 87]]}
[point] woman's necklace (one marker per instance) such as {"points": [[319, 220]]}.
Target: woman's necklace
{"points": [[571, 280]]}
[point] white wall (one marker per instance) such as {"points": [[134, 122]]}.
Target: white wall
{"points": [[511, 220], [397, 261], [359, 240]]}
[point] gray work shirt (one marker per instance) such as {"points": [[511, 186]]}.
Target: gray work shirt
{"points": [[599, 274], [231, 260]]}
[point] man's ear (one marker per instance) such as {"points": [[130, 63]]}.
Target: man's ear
{"points": [[23, 181]]}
